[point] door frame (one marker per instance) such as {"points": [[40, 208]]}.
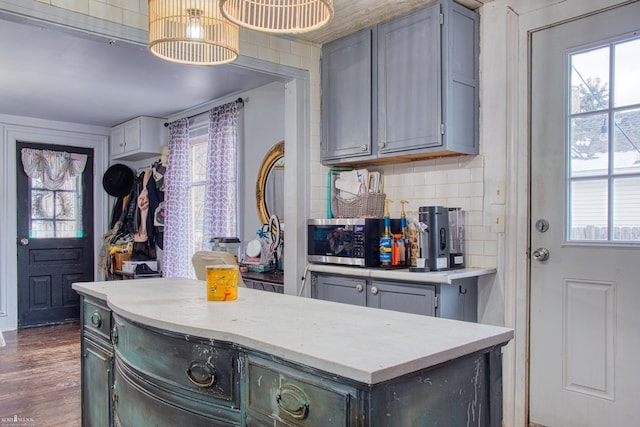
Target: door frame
{"points": [[15, 129], [519, 29]]}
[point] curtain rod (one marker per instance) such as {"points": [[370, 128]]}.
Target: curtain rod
{"points": [[240, 100]]}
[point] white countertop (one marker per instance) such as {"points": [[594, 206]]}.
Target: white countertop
{"points": [[368, 345], [402, 274]]}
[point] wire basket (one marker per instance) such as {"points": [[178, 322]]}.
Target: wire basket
{"points": [[363, 205]]}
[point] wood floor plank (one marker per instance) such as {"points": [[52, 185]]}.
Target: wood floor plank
{"points": [[40, 376]]}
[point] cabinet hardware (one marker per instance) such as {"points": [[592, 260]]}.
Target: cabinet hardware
{"points": [[202, 374], [374, 290], [293, 401]]}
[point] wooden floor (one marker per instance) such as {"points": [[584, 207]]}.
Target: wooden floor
{"points": [[40, 377]]}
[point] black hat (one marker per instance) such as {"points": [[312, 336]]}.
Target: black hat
{"points": [[118, 180]]}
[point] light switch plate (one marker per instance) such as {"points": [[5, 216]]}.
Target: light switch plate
{"points": [[498, 196], [497, 221]]}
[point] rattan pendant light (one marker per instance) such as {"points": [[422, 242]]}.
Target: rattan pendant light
{"points": [[192, 32], [279, 16]]}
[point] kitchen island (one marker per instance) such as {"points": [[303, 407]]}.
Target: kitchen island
{"points": [[156, 351]]}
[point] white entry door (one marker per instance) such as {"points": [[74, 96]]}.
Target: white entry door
{"points": [[585, 222]]}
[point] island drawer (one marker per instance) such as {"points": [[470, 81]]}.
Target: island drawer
{"points": [[288, 396], [182, 362], [96, 318]]}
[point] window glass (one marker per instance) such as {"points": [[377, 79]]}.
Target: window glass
{"points": [[626, 71], [56, 213], [603, 178]]}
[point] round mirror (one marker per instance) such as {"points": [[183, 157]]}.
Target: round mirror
{"points": [[270, 185]]}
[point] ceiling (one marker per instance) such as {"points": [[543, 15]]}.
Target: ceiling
{"points": [[66, 75], [59, 75]]}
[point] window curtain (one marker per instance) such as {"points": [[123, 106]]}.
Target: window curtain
{"points": [[221, 195], [176, 261], [53, 168]]}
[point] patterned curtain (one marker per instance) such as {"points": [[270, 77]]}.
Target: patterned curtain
{"points": [[52, 168], [177, 231], [221, 201]]}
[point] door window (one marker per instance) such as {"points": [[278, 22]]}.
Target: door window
{"points": [[56, 213], [604, 143]]}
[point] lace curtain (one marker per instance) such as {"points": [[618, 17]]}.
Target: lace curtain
{"points": [[177, 180], [52, 168]]}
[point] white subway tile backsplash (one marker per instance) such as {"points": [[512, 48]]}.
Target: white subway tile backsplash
{"points": [[471, 189], [80, 6], [105, 11], [458, 176], [447, 190]]}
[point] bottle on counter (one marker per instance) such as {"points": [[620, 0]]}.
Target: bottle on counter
{"points": [[386, 238]]}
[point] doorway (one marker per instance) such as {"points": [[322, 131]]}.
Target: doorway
{"points": [[585, 220], [55, 230]]}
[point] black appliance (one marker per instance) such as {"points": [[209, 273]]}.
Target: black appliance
{"points": [[434, 241], [347, 241]]}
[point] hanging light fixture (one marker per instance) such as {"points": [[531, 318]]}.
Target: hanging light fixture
{"points": [[279, 16], [192, 32]]}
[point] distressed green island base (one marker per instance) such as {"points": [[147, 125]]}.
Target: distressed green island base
{"points": [[155, 352]]}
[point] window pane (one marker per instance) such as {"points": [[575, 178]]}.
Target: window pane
{"points": [[56, 213], [627, 64], [589, 145], [41, 229], [590, 81], [197, 217], [199, 162], [626, 138], [626, 209], [588, 212]]}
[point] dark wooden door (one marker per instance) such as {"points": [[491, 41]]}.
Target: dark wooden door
{"points": [[55, 242]]}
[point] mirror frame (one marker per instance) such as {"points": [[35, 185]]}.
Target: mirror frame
{"points": [[274, 154]]}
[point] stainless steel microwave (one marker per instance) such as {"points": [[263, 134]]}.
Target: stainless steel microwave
{"points": [[347, 241]]}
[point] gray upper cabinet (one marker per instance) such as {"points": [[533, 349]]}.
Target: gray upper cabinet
{"points": [[347, 96], [424, 89]]}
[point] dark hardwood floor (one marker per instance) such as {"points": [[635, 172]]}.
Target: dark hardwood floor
{"points": [[40, 377]]}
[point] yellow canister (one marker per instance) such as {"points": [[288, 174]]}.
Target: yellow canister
{"points": [[222, 282]]}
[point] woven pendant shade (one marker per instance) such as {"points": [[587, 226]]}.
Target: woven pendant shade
{"points": [[192, 32], [279, 16]]}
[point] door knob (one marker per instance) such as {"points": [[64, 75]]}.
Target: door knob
{"points": [[23, 242], [541, 254]]}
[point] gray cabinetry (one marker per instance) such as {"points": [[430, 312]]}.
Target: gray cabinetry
{"points": [[424, 88], [342, 289], [457, 300], [420, 299], [347, 96], [96, 363]]}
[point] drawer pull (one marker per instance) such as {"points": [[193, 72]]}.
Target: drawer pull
{"points": [[202, 374], [293, 401], [96, 319], [114, 335]]}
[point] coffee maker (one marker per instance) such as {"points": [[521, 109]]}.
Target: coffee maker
{"points": [[434, 238], [441, 240]]}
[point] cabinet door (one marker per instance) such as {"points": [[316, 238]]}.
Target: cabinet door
{"points": [[338, 289], [116, 141], [132, 136], [459, 300], [419, 299], [96, 381], [409, 76], [347, 96]]}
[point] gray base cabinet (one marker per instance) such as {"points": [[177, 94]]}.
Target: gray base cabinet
{"points": [[457, 301], [404, 89]]}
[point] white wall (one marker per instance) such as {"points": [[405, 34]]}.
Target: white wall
{"points": [[263, 128]]}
